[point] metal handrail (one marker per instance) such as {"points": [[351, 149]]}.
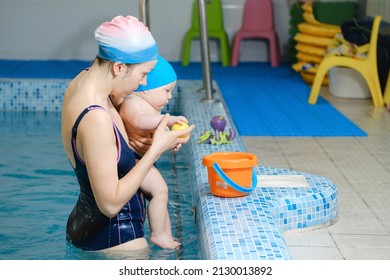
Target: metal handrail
{"points": [[205, 52], [204, 41], [144, 12]]}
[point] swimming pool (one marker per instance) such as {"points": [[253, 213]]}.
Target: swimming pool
{"points": [[245, 228], [39, 189]]}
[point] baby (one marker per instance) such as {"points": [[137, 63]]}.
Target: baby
{"points": [[141, 113]]}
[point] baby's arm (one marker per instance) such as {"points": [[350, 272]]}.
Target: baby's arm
{"points": [[135, 114], [148, 121], [177, 119], [138, 116]]}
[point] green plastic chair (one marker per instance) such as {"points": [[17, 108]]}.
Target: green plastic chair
{"points": [[215, 29]]}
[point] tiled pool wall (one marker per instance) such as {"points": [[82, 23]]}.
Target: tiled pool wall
{"points": [[32, 94], [248, 227]]}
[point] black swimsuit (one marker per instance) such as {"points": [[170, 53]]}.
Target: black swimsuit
{"points": [[88, 228]]}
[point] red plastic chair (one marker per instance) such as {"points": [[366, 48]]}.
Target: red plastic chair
{"points": [[257, 23]]}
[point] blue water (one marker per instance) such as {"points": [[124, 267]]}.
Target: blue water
{"points": [[38, 189]]}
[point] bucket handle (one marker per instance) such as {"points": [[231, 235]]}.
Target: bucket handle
{"points": [[229, 181]]}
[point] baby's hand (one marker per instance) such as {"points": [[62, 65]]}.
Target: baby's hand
{"points": [[177, 148], [177, 119]]}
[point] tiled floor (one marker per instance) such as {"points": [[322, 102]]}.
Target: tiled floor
{"points": [[359, 167]]}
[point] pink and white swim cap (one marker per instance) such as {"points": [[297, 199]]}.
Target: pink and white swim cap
{"points": [[126, 40]]}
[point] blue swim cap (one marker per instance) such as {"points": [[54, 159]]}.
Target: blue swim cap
{"points": [[161, 75]]}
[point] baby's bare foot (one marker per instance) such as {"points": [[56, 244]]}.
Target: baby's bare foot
{"points": [[164, 241], [177, 244]]}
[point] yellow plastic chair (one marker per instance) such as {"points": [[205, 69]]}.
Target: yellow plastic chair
{"points": [[367, 67], [386, 94], [215, 29]]}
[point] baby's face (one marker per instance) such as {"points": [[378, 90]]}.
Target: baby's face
{"points": [[159, 97]]}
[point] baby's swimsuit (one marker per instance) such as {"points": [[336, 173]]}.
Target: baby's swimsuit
{"points": [[88, 228]]}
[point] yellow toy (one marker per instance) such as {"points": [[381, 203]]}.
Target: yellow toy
{"points": [[181, 126]]}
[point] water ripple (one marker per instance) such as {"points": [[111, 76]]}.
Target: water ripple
{"points": [[54, 172], [20, 176]]}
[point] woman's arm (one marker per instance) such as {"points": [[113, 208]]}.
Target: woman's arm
{"points": [[100, 154], [143, 121]]}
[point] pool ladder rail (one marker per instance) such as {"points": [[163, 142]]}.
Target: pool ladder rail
{"points": [[205, 52]]}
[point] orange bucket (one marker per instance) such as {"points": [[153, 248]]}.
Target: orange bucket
{"points": [[231, 174]]}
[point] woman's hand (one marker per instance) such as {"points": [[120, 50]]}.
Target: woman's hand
{"points": [[164, 139]]}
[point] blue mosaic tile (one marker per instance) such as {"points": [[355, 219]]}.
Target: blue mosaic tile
{"points": [[32, 94], [248, 227]]}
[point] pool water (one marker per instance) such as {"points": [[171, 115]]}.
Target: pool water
{"points": [[38, 189]]}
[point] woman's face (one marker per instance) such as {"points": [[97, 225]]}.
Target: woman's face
{"points": [[130, 77]]}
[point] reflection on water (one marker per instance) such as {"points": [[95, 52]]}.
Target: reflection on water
{"points": [[38, 190]]}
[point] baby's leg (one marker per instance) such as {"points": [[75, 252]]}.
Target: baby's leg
{"points": [[160, 227], [169, 229]]}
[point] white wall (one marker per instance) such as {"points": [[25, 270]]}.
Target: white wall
{"points": [[63, 29], [375, 7]]}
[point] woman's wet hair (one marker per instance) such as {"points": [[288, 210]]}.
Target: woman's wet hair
{"points": [[102, 62]]}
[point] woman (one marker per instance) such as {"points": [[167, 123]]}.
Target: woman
{"points": [[109, 213]]}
